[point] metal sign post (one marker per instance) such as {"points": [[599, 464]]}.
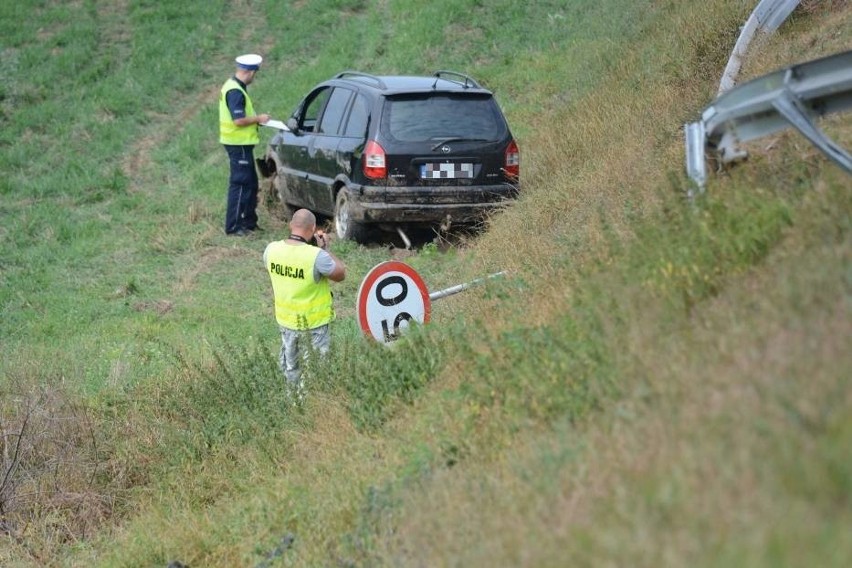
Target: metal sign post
{"points": [[461, 287], [393, 294]]}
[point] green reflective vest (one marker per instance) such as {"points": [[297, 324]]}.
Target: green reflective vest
{"points": [[230, 133], [300, 303]]}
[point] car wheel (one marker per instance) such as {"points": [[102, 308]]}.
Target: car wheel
{"points": [[279, 187], [344, 226]]}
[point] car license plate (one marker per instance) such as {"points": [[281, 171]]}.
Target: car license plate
{"points": [[446, 171]]}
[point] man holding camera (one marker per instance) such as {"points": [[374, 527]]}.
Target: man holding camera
{"points": [[300, 268]]}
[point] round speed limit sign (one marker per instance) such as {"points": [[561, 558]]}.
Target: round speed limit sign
{"points": [[391, 295]]}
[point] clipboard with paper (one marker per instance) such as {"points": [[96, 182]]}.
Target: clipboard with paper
{"points": [[277, 124]]}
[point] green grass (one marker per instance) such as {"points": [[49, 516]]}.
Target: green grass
{"points": [[655, 382]]}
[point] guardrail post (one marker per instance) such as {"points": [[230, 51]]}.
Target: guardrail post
{"points": [[696, 162], [791, 108]]}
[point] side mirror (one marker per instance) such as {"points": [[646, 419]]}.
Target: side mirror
{"points": [[293, 125]]}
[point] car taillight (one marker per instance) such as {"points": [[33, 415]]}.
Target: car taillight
{"points": [[512, 165], [375, 166]]}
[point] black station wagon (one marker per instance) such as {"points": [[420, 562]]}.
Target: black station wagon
{"points": [[395, 152]]}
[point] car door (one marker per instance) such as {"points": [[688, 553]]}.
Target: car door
{"points": [[297, 148], [354, 135], [324, 150]]}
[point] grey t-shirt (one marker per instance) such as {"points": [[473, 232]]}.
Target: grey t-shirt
{"points": [[323, 265]]}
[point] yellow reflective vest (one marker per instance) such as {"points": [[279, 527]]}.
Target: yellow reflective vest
{"points": [[300, 302], [230, 133]]}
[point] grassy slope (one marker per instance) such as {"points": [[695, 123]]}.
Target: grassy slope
{"points": [[667, 388]]}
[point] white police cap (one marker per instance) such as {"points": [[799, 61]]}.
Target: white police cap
{"points": [[249, 61]]}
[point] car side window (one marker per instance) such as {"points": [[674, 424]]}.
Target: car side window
{"points": [[335, 109], [358, 118], [313, 108]]}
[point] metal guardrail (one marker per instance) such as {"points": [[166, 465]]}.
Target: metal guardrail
{"points": [[792, 96], [766, 18]]}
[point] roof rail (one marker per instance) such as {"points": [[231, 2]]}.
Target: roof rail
{"points": [[467, 82], [373, 78]]}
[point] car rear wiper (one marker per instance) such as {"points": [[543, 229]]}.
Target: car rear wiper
{"points": [[458, 139]]}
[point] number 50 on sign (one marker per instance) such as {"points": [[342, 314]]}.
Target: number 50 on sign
{"points": [[391, 295]]}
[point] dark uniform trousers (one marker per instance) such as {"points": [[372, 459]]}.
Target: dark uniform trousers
{"points": [[241, 213]]}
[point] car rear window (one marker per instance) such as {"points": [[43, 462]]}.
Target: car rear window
{"points": [[416, 118]]}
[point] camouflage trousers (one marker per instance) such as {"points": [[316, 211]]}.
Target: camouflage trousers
{"points": [[293, 350]]}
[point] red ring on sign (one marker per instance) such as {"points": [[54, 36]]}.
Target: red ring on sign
{"points": [[377, 272]]}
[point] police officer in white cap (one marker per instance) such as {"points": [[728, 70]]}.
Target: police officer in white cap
{"points": [[238, 132]]}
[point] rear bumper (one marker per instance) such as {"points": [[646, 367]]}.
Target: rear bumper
{"points": [[425, 205]]}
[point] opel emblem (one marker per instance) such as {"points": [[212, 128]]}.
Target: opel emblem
{"points": [[445, 149]]}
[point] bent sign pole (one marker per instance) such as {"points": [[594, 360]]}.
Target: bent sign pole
{"points": [[392, 295], [461, 287]]}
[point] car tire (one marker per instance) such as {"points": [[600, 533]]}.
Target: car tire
{"points": [[344, 226], [279, 187]]}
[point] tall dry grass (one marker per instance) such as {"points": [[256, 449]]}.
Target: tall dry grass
{"points": [[726, 446], [58, 482]]}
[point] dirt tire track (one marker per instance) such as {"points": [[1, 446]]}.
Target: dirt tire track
{"points": [[137, 163], [138, 158]]}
